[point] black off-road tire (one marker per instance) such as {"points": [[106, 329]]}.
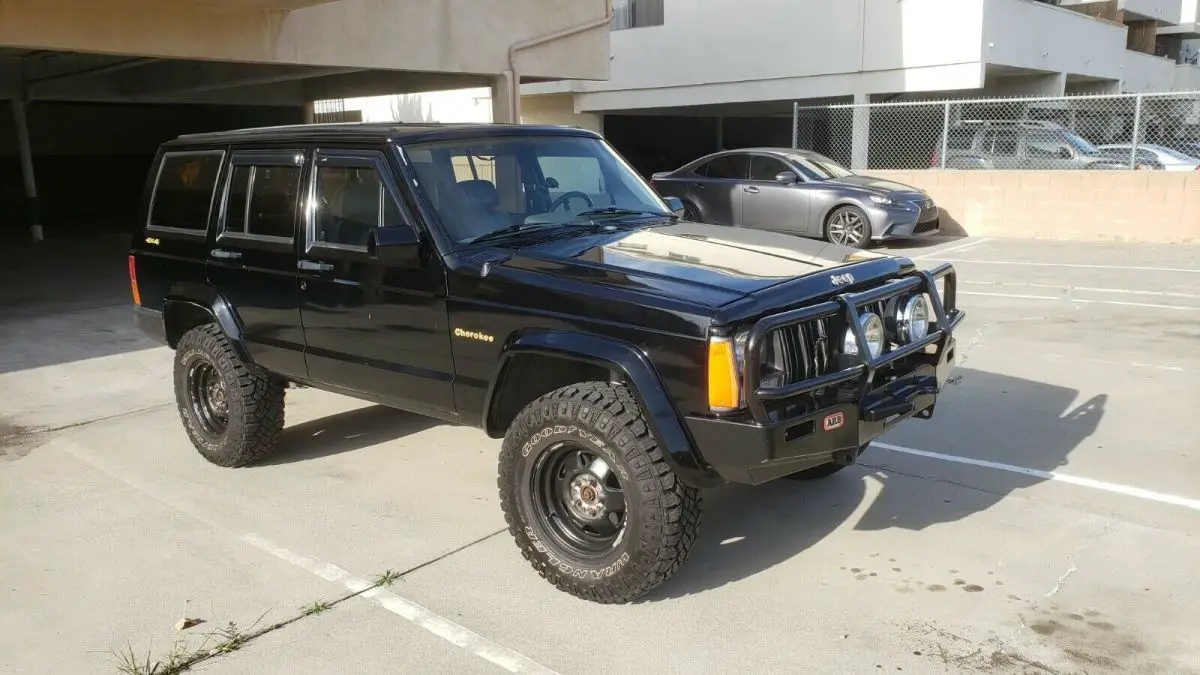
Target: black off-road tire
{"points": [[662, 514], [255, 401]]}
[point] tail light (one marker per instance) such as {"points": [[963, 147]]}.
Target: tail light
{"points": [[933, 158], [133, 284]]}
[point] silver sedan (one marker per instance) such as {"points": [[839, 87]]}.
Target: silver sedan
{"points": [[798, 192]]}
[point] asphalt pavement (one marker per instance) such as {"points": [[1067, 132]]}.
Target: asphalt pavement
{"points": [[1046, 520]]}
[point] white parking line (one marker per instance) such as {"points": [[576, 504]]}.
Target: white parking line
{"points": [[411, 611], [1020, 296], [1092, 267], [1117, 488], [1090, 289], [960, 247]]}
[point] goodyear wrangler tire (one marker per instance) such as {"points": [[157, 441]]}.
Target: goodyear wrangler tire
{"points": [[588, 498], [232, 415]]}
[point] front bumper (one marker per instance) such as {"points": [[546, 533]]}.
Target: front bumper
{"points": [[894, 223], [760, 449]]}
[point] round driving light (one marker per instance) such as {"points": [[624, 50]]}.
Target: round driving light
{"points": [[912, 319], [873, 327]]}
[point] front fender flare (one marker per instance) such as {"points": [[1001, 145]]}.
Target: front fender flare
{"points": [[638, 373]]}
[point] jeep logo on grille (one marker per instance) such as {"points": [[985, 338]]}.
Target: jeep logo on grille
{"points": [[842, 279]]}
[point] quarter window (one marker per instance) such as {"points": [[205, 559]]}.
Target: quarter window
{"points": [[183, 191]]}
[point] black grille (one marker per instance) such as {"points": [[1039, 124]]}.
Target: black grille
{"points": [[799, 352], [926, 226]]}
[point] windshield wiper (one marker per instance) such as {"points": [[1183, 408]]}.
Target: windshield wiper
{"points": [[516, 228], [617, 211]]}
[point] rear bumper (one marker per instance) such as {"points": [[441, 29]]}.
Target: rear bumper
{"points": [[750, 453], [150, 322]]}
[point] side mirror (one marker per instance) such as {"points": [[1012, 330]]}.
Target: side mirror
{"points": [[787, 177], [675, 204], [1065, 153], [396, 244]]}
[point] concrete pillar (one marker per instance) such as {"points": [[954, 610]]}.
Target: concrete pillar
{"points": [[861, 132], [310, 112], [720, 133], [503, 108], [31, 198]]}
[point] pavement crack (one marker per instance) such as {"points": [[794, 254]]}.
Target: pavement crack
{"points": [[447, 554], [1062, 580], [82, 423]]}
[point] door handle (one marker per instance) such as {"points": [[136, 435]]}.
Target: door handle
{"points": [[752, 190], [314, 266], [227, 255], [698, 186]]}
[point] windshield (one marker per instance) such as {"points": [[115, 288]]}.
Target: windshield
{"points": [[1080, 144], [483, 185], [818, 166]]}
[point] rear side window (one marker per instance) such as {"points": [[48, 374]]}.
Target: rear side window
{"points": [[263, 197], [183, 190], [727, 167]]}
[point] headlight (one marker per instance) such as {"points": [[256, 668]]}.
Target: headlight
{"points": [[912, 319], [882, 200], [873, 327]]}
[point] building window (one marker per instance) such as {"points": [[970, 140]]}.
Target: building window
{"points": [[637, 13]]}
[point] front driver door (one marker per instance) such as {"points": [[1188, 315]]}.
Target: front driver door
{"points": [[768, 204], [372, 326]]}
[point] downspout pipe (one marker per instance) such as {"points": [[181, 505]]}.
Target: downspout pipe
{"points": [[514, 104]]}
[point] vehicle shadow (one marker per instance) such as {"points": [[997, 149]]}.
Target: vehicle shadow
{"points": [[747, 530], [345, 432]]}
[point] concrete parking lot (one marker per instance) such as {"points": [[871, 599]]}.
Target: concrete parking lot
{"points": [[1046, 520]]}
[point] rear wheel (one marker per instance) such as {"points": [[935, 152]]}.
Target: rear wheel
{"points": [[690, 213], [848, 226], [588, 498], [232, 415]]}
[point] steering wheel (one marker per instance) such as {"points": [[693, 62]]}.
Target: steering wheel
{"points": [[562, 199]]}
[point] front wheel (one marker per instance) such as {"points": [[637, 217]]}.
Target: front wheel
{"points": [[848, 226], [588, 498]]}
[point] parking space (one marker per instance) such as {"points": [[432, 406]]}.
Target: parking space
{"points": [[1046, 520]]}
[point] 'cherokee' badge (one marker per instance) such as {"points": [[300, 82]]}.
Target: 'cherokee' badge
{"points": [[834, 421]]}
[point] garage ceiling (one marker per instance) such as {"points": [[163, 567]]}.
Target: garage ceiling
{"points": [[263, 4]]}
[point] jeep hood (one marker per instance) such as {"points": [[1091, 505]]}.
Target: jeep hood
{"points": [[711, 265]]}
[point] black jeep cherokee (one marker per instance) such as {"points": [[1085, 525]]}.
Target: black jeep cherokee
{"points": [[527, 281]]}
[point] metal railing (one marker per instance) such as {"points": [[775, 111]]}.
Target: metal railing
{"points": [[1093, 132]]}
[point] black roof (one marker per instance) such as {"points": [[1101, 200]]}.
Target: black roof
{"points": [[377, 131]]}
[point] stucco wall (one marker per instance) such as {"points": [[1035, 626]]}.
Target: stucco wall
{"points": [[1146, 206], [454, 36], [557, 109]]}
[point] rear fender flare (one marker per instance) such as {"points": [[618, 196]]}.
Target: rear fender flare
{"points": [[630, 366], [216, 306]]}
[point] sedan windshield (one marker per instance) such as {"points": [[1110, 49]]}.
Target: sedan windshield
{"points": [[819, 167], [1081, 145], [494, 187]]}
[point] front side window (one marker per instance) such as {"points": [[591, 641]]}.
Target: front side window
{"points": [[350, 201], [183, 191], [484, 185], [766, 168], [1050, 146]]}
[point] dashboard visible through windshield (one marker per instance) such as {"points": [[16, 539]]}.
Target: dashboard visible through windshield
{"points": [[491, 186]]}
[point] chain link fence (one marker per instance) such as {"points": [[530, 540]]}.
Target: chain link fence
{"points": [[1157, 132]]}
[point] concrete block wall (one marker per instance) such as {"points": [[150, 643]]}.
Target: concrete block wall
{"points": [[1142, 206]]}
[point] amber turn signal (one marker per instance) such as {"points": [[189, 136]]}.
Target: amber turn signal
{"points": [[724, 391]]}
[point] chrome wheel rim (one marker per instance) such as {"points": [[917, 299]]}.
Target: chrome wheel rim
{"points": [[847, 229]]}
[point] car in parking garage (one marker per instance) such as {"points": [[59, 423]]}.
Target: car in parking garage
{"points": [[798, 192]]}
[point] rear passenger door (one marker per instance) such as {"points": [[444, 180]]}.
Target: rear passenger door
{"points": [[718, 189], [373, 323], [253, 262]]}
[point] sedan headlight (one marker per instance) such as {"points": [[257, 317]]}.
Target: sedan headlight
{"points": [[873, 327], [882, 200], [912, 319]]}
